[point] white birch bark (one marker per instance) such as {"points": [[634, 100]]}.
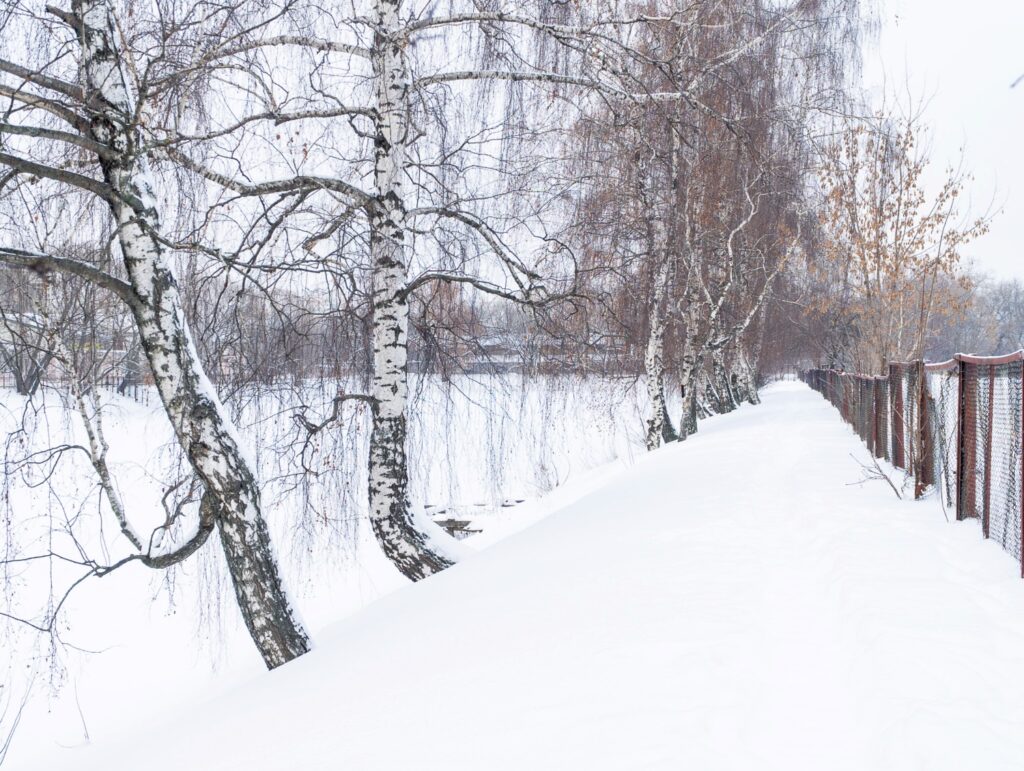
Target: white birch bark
{"points": [[659, 426], [406, 544], [690, 361], [659, 423], [200, 421]]}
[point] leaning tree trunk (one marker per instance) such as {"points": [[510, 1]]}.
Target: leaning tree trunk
{"points": [[409, 547], [200, 421]]}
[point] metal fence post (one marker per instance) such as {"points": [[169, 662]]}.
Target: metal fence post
{"points": [[875, 433], [960, 442], [921, 480]]}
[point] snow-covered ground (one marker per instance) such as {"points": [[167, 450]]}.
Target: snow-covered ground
{"points": [[139, 644], [734, 602]]}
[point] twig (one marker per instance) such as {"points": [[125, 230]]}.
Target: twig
{"points": [[874, 471]]}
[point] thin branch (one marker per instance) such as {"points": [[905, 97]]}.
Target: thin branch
{"points": [[297, 183]]}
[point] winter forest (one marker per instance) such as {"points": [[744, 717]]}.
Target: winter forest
{"points": [[458, 345]]}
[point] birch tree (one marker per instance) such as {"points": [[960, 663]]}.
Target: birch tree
{"points": [[89, 93]]}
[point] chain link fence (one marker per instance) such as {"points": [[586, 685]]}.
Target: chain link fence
{"points": [[956, 427]]}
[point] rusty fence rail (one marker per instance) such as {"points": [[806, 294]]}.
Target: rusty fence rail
{"points": [[955, 426]]}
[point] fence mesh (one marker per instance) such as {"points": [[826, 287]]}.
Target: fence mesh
{"points": [[956, 427], [999, 440]]}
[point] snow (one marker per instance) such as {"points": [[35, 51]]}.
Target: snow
{"points": [[737, 601]]}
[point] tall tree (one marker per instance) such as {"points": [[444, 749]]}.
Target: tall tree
{"points": [[891, 250], [90, 92]]}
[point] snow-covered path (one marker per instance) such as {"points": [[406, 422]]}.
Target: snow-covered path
{"points": [[733, 602]]}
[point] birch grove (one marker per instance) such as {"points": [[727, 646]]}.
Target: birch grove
{"points": [[719, 202]]}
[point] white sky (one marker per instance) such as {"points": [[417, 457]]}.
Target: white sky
{"points": [[960, 57]]}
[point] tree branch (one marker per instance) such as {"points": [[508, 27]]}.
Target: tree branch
{"points": [[294, 184], [69, 90], [61, 136], [45, 263], [82, 182]]}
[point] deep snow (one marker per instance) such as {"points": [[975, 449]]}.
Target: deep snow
{"points": [[169, 639], [733, 602]]}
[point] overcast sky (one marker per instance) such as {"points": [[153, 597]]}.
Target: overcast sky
{"points": [[961, 56]]}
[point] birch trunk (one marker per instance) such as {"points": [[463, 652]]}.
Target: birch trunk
{"points": [[752, 356], [405, 544], [690, 362], [743, 372], [719, 392], [688, 418], [659, 425], [200, 422]]}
